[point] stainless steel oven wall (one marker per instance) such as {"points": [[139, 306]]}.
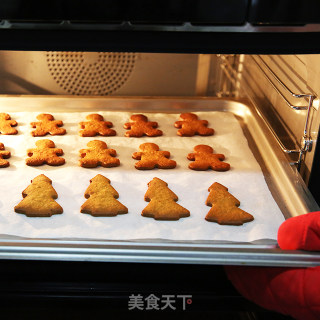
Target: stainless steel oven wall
{"points": [[98, 73], [279, 85]]}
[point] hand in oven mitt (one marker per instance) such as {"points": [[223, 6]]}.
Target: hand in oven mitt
{"points": [[290, 291]]}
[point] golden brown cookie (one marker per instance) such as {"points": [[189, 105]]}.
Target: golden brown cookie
{"points": [[140, 126], [102, 199], [225, 207], [45, 153], [6, 124], [150, 157], [190, 125], [4, 155], [204, 158], [162, 204], [39, 199], [47, 124], [98, 154], [96, 126]]}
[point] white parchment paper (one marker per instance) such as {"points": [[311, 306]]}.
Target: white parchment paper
{"points": [[244, 180]]}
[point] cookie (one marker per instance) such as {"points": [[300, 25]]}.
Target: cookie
{"points": [[39, 199], [225, 209], [190, 126], [47, 124], [204, 158], [4, 155], [45, 153], [98, 154], [96, 126], [150, 157], [140, 126], [6, 124], [102, 199], [163, 202]]}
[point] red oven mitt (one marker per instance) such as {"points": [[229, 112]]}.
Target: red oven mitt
{"points": [[290, 291]]}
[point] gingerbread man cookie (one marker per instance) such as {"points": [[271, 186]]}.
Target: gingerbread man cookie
{"points": [[140, 126], [96, 126], [47, 124], [190, 126], [150, 157], [45, 153], [4, 155], [225, 209], [6, 124], [204, 158], [98, 154]]}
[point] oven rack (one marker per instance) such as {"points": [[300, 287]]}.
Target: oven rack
{"points": [[235, 76]]}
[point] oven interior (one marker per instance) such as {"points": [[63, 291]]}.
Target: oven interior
{"points": [[283, 88], [259, 53], [280, 90]]}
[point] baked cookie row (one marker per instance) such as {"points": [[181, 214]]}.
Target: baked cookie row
{"points": [[98, 154], [39, 201], [138, 126]]}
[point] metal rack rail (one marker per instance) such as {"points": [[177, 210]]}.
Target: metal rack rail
{"points": [[274, 80]]}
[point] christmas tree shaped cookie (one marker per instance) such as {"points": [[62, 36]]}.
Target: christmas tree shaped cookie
{"points": [[102, 199], [47, 124], [162, 204], [4, 155], [225, 207], [39, 199], [6, 124]]}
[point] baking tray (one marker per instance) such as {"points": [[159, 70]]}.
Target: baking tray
{"points": [[284, 182]]}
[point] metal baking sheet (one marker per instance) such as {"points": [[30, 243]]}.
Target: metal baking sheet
{"points": [[283, 181]]}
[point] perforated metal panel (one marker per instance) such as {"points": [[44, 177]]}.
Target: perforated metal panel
{"points": [[97, 73], [90, 73]]}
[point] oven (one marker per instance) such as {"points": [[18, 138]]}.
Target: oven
{"points": [[250, 67]]}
